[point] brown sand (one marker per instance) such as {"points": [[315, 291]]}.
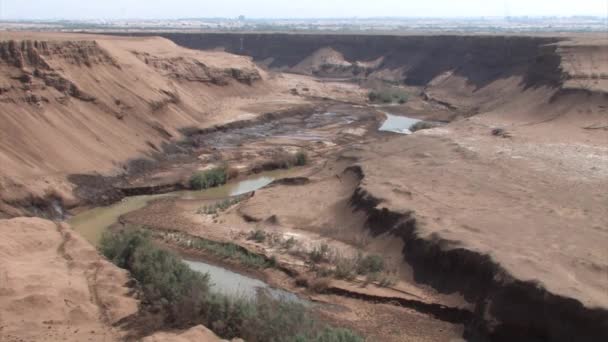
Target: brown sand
{"points": [[54, 286]]}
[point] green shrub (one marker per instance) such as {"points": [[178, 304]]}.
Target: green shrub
{"points": [[221, 206], [258, 236], [208, 179], [319, 254], [163, 277], [387, 281], [223, 250], [187, 300], [231, 251], [388, 95], [289, 243], [370, 264], [346, 269], [277, 321], [284, 160], [281, 160], [119, 248], [301, 158], [226, 316]]}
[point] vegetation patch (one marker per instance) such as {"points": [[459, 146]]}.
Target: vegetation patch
{"points": [[285, 160], [209, 179], [221, 250], [372, 266], [258, 236], [388, 95], [327, 262], [218, 207], [301, 159], [369, 264], [184, 298], [319, 253]]}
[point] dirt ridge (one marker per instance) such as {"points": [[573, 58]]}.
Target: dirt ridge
{"points": [[507, 309], [417, 59], [441, 312]]}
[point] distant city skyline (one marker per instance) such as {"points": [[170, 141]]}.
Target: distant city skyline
{"points": [[176, 9]]}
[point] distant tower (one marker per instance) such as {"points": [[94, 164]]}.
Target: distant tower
{"points": [[242, 18]]}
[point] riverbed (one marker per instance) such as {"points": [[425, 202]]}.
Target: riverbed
{"points": [[91, 224]]}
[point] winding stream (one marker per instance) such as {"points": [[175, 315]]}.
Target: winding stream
{"points": [[91, 224]]}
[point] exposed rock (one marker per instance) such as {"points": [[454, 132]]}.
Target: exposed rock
{"points": [[191, 69]]}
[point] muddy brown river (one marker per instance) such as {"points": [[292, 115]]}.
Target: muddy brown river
{"points": [[92, 223]]}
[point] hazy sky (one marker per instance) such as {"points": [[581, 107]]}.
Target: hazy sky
{"points": [[118, 9]]}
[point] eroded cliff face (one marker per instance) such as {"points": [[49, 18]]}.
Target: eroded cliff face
{"points": [[191, 69], [506, 307], [466, 74], [414, 60], [80, 104], [31, 63]]}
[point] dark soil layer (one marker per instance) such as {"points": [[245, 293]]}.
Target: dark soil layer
{"points": [[480, 59]]}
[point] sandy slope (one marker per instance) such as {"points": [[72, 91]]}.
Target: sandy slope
{"points": [[535, 202], [84, 103], [54, 286], [196, 334], [122, 105]]}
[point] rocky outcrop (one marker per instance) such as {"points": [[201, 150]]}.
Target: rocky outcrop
{"points": [[193, 70], [76, 104], [37, 54], [33, 61]]}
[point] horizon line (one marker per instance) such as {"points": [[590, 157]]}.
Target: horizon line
{"points": [[316, 18]]}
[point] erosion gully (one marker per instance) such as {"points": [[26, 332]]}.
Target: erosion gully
{"points": [[328, 126]]}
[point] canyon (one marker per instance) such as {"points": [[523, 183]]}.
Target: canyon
{"points": [[492, 222]]}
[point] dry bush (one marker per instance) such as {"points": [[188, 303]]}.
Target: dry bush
{"points": [[319, 285]]}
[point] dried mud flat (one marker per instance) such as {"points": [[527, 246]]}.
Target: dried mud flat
{"points": [[494, 226]]}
